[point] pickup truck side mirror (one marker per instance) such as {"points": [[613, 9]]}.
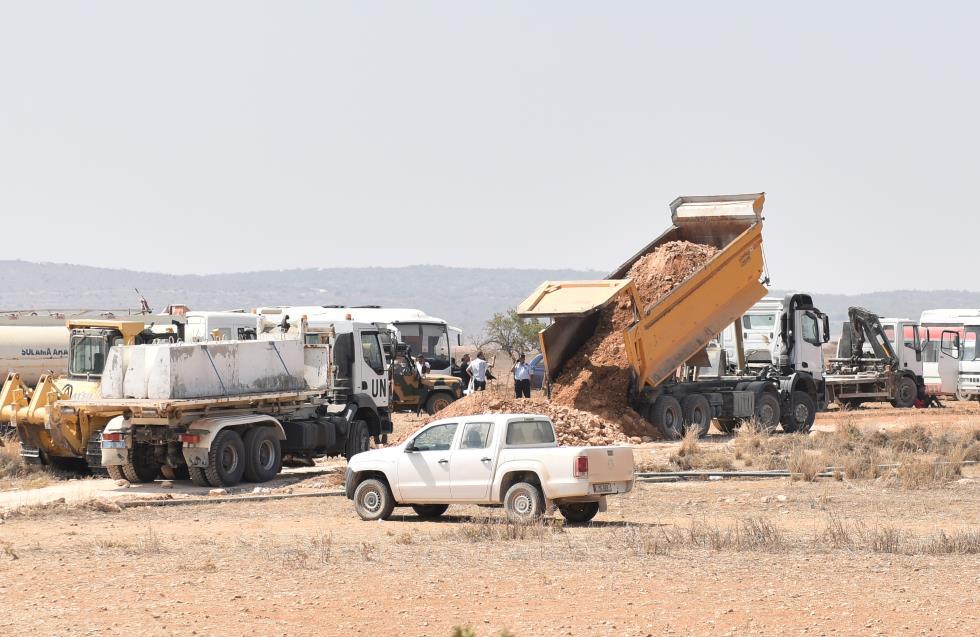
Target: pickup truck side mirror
{"points": [[410, 448]]}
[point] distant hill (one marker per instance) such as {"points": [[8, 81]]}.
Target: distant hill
{"points": [[465, 297]]}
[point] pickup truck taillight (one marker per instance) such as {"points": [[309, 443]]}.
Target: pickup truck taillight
{"points": [[580, 467], [114, 437]]}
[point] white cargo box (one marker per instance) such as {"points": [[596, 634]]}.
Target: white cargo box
{"points": [[213, 369]]}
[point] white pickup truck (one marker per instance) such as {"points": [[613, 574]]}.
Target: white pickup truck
{"points": [[495, 459]]}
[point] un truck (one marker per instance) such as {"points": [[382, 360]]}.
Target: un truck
{"points": [[667, 343], [227, 411]]}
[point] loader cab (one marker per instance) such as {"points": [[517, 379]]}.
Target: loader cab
{"points": [[89, 341], [803, 330]]}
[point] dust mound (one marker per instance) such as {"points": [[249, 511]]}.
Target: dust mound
{"points": [[596, 378], [572, 426]]}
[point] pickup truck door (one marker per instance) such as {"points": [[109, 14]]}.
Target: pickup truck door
{"points": [[423, 474], [472, 463]]}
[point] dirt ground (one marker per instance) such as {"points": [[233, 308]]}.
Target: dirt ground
{"points": [[743, 557]]}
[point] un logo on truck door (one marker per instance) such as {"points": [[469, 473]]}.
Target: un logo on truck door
{"points": [[379, 388]]}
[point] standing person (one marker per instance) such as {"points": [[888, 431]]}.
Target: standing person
{"points": [[522, 378], [422, 365], [464, 372], [478, 369]]}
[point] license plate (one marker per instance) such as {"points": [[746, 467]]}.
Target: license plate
{"points": [[113, 444], [603, 487]]}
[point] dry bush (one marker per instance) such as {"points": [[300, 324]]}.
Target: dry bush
{"points": [[839, 534], [805, 465], [750, 436], [916, 473], [712, 460], [498, 530], [13, 467], [689, 443]]}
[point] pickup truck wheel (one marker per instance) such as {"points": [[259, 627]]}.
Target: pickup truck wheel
{"points": [[667, 416], [358, 440], [373, 500], [141, 467], [437, 402], [524, 503], [767, 411], [801, 413], [579, 512], [697, 414], [198, 476], [429, 511], [905, 393], [263, 454], [226, 459], [115, 472]]}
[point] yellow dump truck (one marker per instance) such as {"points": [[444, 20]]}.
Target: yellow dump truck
{"points": [[679, 379], [68, 438]]}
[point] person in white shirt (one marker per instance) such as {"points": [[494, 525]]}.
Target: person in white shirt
{"points": [[478, 370], [522, 378], [422, 365]]}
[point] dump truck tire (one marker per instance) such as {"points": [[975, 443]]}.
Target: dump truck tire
{"points": [[667, 416], [226, 459], [437, 402], [767, 411], [429, 511], [373, 500], [115, 472], [198, 476], [524, 503], [579, 512], [140, 467], [263, 454], [906, 393], [358, 440], [801, 413], [697, 414]]}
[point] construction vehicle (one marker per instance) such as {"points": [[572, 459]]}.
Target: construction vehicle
{"points": [[666, 343], [427, 335], [228, 411], [68, 438], [413, 391], [878, 360]]}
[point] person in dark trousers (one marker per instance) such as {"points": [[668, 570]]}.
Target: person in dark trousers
{"points": [[522, 378], [464, 373], [479, 370]]}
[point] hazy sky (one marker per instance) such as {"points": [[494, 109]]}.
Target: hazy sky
{"points": [[230, 136]]}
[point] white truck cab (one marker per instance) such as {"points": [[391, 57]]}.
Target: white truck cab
{"points": [[509, 460]]}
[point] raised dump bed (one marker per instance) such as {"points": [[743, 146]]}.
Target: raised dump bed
{"points": [[671, 331]]}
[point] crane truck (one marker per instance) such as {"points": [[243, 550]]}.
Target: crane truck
{"points": [[224, 411], [878, 359], [666, 340]]}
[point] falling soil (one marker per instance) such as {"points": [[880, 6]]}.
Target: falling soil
{"points": [[596, 378]]}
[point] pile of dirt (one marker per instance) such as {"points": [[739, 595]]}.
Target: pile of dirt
{"points": [[596, 378], [573, 427]]}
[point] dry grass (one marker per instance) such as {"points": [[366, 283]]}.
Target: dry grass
{"points": [[840, 534], [495, 529], [805, 465], [15, 473]]}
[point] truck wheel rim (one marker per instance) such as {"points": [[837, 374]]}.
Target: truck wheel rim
{"points": [[766, 415], [267, 455], [371, 501], [229, 459], [522, 504], [801, 413], [440, 404]]}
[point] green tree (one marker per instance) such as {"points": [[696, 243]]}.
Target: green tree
{"points": [[513, 334]]}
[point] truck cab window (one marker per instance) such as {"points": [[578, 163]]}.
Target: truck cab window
{"points": [[811, 331], [529, 432], [438, 438], [476, 435], [371, 348], [88, 355]]}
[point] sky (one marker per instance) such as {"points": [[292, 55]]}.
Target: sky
{"points": [[202, 137]]}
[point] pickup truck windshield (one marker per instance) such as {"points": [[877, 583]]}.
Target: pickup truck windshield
{"points": [[530, 432]]}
